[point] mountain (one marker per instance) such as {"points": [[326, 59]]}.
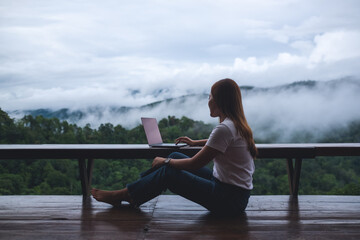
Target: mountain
{"points": [[74, 116], [279, 112], [101, 113]]}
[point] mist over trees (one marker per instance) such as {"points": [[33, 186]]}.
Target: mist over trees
{"points": [[333, 175], [298, 112]]}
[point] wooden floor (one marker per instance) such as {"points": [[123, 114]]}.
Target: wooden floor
{"points": [[172, 217]]}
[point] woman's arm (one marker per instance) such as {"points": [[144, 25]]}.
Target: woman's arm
{"points": [[191, 142], [202, 158]]}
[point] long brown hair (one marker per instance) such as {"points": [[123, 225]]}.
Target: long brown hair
{"points": [[227, 96]]}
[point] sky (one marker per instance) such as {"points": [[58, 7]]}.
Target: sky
{"points": [[72, 54]]}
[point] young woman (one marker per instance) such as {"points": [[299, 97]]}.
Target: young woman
{"points": [[224, 190]]}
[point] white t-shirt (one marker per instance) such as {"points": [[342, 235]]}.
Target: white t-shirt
{"points": [[235, 164]]}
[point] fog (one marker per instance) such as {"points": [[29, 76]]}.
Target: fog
{"points": [[281, 114], [276, 113]]}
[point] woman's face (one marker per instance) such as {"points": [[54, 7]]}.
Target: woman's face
{"points": [[214, 110]]}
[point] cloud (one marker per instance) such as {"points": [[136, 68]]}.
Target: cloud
{"points": [[336, 46], [100, 53]]}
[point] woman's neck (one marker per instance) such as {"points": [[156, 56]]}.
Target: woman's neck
{"points": [[222, 118]]}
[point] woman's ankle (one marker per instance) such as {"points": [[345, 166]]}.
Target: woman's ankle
{"points": [[127, 197]]}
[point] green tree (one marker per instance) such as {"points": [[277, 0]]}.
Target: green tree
{"points": [[8, 130], [334, 175], [11, 184]]}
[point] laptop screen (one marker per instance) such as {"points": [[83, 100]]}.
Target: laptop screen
{"points": [[151, 130]]}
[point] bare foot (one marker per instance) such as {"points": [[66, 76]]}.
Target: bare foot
{"points": [[111, 197]]}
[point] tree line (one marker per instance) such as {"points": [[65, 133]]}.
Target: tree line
{"points": [[333, 175]]}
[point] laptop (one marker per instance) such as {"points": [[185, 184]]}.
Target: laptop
{"points": [[153, 134]]}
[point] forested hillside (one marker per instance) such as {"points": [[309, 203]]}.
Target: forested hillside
{"points": [[337, 175]]}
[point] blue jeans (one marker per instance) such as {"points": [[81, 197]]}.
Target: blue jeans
{"points": [[198, 186]]}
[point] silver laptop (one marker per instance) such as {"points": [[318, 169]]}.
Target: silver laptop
{"points": [[153, 134]]}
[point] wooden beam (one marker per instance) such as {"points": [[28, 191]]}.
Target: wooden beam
{"points": [[296, 180], [85, 170], [294, 175], [134, 151], [290, 171], [83, 176], [90, 166]]}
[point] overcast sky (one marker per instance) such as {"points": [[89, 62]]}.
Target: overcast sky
{"points": [[73, 54]]}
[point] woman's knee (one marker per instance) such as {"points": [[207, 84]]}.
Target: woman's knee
{"points": [[171, 171], [177, 155], [172, 175]]}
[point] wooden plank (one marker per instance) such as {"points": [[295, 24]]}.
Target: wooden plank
{"points": [[286, 151], [337, 149], [268, 217], [132, 151], [173, 217], [87, 151]]}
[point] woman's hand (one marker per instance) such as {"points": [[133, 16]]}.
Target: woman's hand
{"points": [[158, 162], [186, 140]]}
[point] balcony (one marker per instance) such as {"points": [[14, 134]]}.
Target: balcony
{"points": [[173, 217]]}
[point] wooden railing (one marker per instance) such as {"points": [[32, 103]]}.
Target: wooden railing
{"points": [[86, 153]]}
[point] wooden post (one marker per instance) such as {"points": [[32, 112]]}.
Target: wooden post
{"points": [[85, 170], [296, 180], [294, 175], [290, 171], [90, 166]]}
